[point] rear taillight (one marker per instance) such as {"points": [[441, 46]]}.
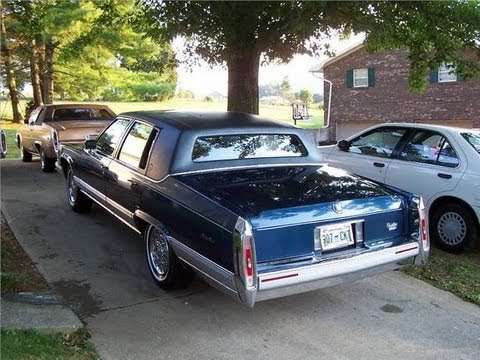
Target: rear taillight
{"points": [[248, 261], [423, 226], [245, 254], [55, 141]]}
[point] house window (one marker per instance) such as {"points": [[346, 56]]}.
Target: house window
{"points": [[447, 73], [360, 77]]}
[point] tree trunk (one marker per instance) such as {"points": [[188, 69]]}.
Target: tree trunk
{"points": [[35, 74], [12, 85], [47, 83], [243, 82]]}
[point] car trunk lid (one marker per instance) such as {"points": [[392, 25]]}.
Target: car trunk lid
{"points": [[77, 130], [289, 208]]}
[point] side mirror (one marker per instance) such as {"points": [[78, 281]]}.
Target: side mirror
{"points": [[343, 145], [90, 144]]}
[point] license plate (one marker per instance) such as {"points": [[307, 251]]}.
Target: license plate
{"points": [[331, 237]]}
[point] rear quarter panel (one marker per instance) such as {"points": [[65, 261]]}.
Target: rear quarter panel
{"points": [[194, 220]]}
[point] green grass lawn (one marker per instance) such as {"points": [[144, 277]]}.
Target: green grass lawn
{"points": [[457, 273], [22, 345], [13, 151]]}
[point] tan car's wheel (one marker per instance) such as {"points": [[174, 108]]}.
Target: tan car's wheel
{"points": [[25, 155], [48, 164]]}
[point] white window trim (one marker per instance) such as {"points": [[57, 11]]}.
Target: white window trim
{"points": [[356, 78], [449, 71]]}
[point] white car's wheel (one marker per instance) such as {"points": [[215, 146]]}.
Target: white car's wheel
{"points": [[453, 227]]}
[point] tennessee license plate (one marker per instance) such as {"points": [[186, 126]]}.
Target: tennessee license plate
{"points": [[331, 237]]}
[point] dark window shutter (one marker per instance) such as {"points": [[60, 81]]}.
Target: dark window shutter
{"points": [[434, 76], [371, 77], [349, 78]]}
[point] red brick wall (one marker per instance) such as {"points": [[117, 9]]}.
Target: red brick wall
{"points": [[389, 100]]}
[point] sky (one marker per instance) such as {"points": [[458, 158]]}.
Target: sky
{"points": [[203, 80]]}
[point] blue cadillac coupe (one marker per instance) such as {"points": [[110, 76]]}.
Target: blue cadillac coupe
{"points": [[247, 203]]}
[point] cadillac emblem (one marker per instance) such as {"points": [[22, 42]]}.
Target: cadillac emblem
{"points": [[338, 208]]}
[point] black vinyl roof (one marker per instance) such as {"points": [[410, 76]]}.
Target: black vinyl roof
{"points": [[196, 120]]}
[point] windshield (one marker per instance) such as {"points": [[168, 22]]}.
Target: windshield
{"points": [[247, 146], [473, 138]]}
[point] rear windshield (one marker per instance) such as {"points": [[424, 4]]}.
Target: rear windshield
{"points": [[247, 146], [81, 114], [473, 139]]}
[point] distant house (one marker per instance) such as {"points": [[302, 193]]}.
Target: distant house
{"points": [[368, 89]]}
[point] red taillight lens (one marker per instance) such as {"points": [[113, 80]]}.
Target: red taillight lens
{"points": [[423, 227], [248, 269], [424, 230], [245, 261], [248, 262]]}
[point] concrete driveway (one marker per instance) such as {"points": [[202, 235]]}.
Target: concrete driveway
{"points": [[97, 263]]}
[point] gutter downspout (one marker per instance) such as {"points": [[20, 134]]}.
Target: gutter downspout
{"points": [[329, 97]]}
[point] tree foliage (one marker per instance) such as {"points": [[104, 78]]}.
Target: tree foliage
{"points": [[237, 33], [86, 49], [305, 95]]}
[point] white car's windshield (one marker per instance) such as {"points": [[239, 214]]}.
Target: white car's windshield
{"points": [[473, 138]]}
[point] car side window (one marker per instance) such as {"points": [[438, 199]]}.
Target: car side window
{"points": [[34, 117], [107, 142], [447, 156], [137, 145], [431, 148], [379, 142]]}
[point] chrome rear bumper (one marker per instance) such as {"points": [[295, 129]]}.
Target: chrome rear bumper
{"points": [[307, 278]]}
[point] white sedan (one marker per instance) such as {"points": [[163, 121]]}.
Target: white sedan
{"points": [[438, 162]]}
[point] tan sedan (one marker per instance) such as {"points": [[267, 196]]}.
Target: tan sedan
{"points": [[50, 125]]}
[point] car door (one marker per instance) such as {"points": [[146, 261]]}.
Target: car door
{"points": [[124, 177], [93, 166], [32, 129], [370, 153], [427, 164]]}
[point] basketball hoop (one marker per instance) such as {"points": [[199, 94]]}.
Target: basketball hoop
{"points": [[300, 111]]}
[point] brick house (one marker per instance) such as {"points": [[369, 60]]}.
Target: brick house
{"points": [[368, 89]]}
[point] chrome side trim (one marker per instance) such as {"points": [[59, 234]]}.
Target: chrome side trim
{"points": [[101, 198], [213, 273], [85, 187], [120, 208], [248, 167]]}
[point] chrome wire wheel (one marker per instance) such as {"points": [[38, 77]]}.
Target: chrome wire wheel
{"points": [[158, 254], [452, 228], [71, 189], [43, 159]]}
